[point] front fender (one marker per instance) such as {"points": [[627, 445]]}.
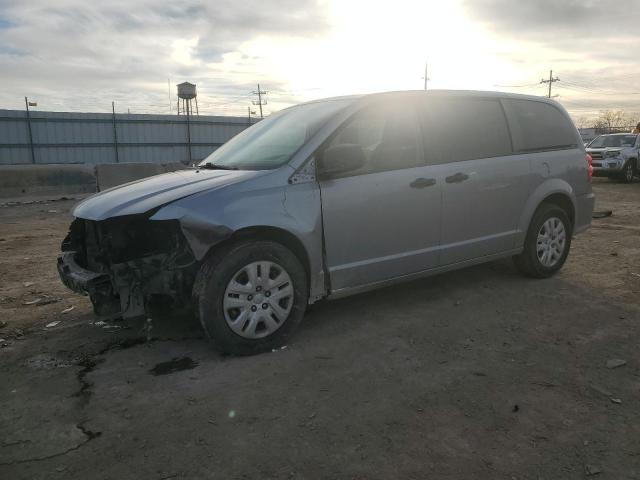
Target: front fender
{"points": [[208, 218], [551, 186]]}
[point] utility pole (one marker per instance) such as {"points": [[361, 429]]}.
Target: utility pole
{"points": [[169, 90], [550, 81], [260, 102], [33, 153], [188, 110], [249, 113], [426, 75], [115, 130]]}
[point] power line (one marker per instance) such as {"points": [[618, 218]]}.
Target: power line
{"points": [[518, 86], [595, 90]]}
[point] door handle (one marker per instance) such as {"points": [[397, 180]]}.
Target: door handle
{"points": [[422, 182], [457, 178]]}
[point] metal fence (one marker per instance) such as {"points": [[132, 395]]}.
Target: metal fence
{"points": [[59, 137]]}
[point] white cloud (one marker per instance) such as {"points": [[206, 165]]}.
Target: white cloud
{"points": [[81, 54], [182, 50]]}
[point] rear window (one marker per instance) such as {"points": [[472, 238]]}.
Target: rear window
{"points": [[465, 128], [539, 126]]}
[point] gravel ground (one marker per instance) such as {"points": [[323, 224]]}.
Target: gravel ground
{"points": [[478, 373]]}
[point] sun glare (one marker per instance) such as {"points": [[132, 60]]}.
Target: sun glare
{"points": [[376, 46]]}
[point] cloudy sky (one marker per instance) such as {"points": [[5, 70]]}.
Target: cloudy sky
{"points": [[79, 55]]}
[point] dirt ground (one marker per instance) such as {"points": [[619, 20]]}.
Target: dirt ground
{"points": [[474, 374]]}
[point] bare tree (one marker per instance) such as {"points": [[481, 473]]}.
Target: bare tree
{"points": [[612, 120], [583, 121]]}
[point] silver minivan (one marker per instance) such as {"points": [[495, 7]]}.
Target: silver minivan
{"points": [[332, 198]]}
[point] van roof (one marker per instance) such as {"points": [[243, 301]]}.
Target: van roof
{"points": [[439, 93]]}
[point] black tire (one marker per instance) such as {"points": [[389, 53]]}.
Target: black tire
{"points": [[212, 280], [629, 171], [528, 262]]}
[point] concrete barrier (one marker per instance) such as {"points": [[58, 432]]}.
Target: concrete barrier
{"points": [[46, 180], [58, 180], [113, 174]]}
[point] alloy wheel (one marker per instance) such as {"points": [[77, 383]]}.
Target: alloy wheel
{"points": [[551, 242]]}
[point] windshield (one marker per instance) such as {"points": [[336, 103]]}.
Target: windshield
{"points": [[271, 142], [604, 141]]}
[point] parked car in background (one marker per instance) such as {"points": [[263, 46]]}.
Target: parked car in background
{"points": [[331, 198], [615, 155]]}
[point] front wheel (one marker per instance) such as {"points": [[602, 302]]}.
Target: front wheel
{"points": [[250, 296], [628, 172], [547, 243]]}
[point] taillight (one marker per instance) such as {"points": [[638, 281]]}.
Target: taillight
{"points": [[589, 166]]}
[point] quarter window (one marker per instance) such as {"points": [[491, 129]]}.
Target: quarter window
{"points": [[539, 126]]}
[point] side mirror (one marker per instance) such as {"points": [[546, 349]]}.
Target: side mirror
{"points": [[341, 159]]}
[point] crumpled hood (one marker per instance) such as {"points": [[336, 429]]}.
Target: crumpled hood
{"points": [[143, 195]]}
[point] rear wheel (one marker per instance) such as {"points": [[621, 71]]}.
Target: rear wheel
{"points": [[250, 297], [547, 242]]}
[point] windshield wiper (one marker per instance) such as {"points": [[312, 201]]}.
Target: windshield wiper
{"points": [[211, 166]]}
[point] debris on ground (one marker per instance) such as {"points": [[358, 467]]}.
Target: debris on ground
{"points": [[34, 202], [32, 302], [602, 214], [616, 362], [68, 309], [112, 327], [591, 470], [545, 383], [52, 324], [615, 400], [41, 301], [28, 284], [47, 301], [3, 323], [174, 365]]}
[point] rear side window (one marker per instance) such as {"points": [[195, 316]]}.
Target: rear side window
{"points": [[465, 128], [538, 126]]}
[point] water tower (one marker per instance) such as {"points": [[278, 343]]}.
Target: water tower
{"points": [[187, 93]]}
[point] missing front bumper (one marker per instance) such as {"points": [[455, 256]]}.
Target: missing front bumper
{"points": [[94, 284]]}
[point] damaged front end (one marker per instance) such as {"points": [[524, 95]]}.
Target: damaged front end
{"points": [[129, 266]]}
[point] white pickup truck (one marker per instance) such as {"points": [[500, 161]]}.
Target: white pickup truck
{"points": [[615, 155]]}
